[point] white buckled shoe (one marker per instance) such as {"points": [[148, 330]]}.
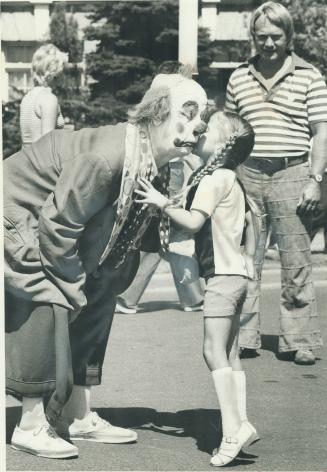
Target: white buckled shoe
{"points": [[254, 436], [230, 447]]}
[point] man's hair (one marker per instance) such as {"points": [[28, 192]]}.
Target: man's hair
{"points": [[279, 16], [47, 62], [154, 107]]}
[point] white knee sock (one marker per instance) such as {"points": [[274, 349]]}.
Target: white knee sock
{"points": [[240, 381], [226, 392]]}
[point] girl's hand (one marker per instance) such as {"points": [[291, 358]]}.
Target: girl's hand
{"points": [[150, 195]]}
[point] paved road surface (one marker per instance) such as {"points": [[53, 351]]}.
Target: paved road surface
{"points": [[155, 381]]}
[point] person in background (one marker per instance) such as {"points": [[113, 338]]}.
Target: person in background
{"points": [[39, 109], [217, 216], [284, 98], [184, 267]]}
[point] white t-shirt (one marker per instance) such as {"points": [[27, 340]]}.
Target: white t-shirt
{"points": [[221, 198]]}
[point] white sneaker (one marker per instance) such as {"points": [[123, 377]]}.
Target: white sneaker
{"points": [[120, 308], [94, 428], [43, 442]]}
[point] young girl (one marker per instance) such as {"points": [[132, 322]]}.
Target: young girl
{"points": [[217, 214]]}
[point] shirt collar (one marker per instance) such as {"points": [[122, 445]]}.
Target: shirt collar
{"points": [[297, 63]]}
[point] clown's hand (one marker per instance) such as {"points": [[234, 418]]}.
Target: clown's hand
{"points": [[150, 195]]}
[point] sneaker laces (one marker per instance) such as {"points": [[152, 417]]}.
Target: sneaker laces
{"points": [[48, 429], [95, 418]]}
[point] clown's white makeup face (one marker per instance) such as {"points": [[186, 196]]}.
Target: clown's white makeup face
{"points": [[177, 136]]}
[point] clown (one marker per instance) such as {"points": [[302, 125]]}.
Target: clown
{"points": [[72, 237]]}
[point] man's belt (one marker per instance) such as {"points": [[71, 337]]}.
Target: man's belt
{"points": [[276, 163]]}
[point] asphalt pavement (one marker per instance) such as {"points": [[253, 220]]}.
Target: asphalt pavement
{"points": [[156, 382]]}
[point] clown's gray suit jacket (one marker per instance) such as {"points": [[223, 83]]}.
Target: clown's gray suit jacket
{"points": [[59, 196]]}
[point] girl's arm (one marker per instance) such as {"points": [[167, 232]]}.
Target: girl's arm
{"points": [[192, 220], [249, 245]]}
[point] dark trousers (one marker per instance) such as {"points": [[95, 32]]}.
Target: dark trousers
{"points": [[30, 350]]}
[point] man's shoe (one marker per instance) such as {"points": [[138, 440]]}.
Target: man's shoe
{"points": [[43, 442], [230, 447], [247, 353], [122, 308], [197, 307], [96, 429], [304, 357]]}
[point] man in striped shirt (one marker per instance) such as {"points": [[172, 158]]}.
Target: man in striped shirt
{"points": [[284, 98]]}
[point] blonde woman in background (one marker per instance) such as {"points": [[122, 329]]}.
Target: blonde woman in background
{"points": [[39, 110]]}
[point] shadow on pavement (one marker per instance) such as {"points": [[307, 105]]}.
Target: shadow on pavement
{"points": [[12, 418], [269, 342], [149, 307], [202, 425]]}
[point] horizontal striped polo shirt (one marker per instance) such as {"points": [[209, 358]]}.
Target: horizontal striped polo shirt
{"points": [[281, 117]]}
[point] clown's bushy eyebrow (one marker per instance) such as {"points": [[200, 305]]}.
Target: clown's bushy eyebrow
{"points": [[190, 109]]}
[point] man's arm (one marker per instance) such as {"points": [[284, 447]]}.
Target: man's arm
{"points": [[80, 192], [311, 194]]}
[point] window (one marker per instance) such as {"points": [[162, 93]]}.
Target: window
{"points": [[19, 79]]}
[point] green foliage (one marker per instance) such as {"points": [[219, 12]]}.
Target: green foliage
{"points": [[11, 130], [64, 32], [134, 38], [310, 24], [66, 86]]}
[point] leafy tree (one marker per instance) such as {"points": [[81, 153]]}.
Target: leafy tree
{"points": [[64, 32], [134, 38], [310, 25], [64, 35], [11, 130]]}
